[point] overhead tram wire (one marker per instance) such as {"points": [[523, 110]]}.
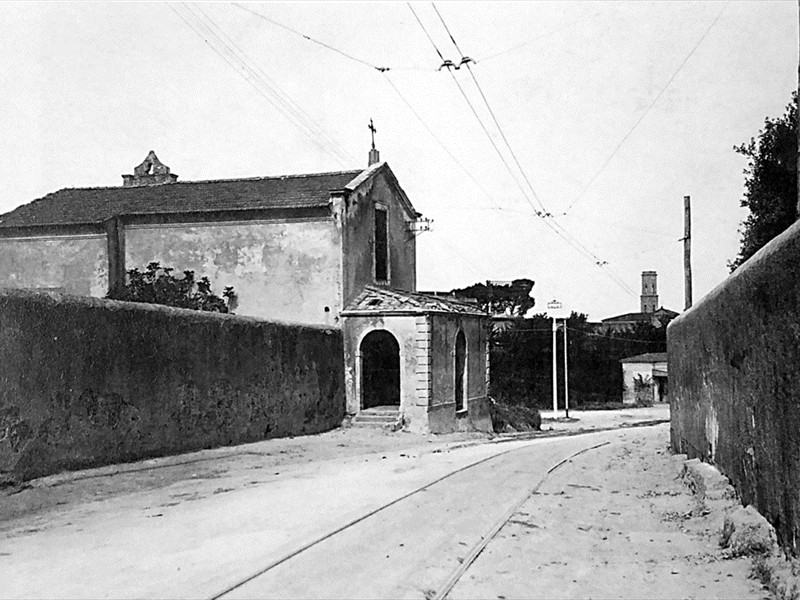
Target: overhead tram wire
{"points": [[274, 88], [464, 94], [204, 33], [555, 227], [466, 61], [324, 45], [582, 193]]}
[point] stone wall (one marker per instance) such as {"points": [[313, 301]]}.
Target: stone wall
{"points": [[734, 371], [86, 382]]}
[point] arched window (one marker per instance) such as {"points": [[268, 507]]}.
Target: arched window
{"points": [[461, 371]]}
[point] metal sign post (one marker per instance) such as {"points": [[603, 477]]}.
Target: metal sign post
{"points": [[556, 311]]}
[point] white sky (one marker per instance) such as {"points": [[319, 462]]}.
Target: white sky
{"points": [[89, 88]]}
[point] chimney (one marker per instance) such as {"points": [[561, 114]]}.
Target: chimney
{"points": [[151, 172], [649, 292]]}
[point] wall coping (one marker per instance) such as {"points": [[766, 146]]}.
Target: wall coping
{"points": [[133, 307]]}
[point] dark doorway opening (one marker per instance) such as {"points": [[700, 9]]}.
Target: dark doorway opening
{"points": [[461, 370], [380, 370]]}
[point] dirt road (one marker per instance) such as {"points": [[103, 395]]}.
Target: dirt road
{"points": [[612, 522]]}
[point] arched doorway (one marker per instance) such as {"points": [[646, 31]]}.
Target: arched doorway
{"points": [[380, 370], [461, 370]]}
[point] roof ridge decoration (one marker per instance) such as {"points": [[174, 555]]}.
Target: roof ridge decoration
{"points": [[150, 171]]}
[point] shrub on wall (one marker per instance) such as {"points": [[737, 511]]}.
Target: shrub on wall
{"points": [[157, 285]]}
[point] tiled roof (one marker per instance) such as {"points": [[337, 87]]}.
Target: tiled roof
{"points": [[631, 317], [96, 205], [641, 317], [376, 300], [651, 357]]}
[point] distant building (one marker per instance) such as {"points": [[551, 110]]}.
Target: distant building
{"points": [[648, 372], [649, 312]]}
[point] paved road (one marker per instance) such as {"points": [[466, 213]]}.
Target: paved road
{"points": [[163, 544]]}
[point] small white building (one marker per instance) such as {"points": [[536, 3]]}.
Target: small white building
{"points": [[645, 378]]}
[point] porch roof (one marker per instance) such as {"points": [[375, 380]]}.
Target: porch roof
{"points": [[375, 301]]}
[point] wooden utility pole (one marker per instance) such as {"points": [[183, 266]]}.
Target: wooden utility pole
{"points": [[797, 215], [687, 252]]}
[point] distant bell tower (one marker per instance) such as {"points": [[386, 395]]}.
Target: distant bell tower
{"points": [[649, 291]]}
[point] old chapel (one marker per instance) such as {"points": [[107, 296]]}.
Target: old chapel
{"points": [[333, 249]]}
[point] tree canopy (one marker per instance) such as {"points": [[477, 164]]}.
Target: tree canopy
{"points": [[770, 183], [157, 285], [500, 297]]}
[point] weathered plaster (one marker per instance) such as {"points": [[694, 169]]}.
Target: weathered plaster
{"points": [[283, 270], [74, 264]]}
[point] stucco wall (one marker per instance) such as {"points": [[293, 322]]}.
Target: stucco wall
{"points": [[87, 382], [360, 240], [76, 264], [286, 270], [444, 329], [413, 405], [735, 382]]}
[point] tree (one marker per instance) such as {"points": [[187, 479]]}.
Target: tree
{"points": [[770, 183], [157, 285], [509, 298]]}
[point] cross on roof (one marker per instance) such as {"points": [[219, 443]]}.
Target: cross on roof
{"points": [[373, 130]]}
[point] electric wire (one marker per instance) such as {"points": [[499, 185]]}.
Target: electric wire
{"points": [[324, 45], [647, 110], [536, 39], [466, 171], [465, 61], [280, 95], [466, 98], [204, 32], [612, 337]]}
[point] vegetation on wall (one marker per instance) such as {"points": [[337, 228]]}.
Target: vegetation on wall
{"points": [[157, 285], [770, 183]]}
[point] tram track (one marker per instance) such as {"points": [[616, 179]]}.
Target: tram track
{"points": [[447, 583]]}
